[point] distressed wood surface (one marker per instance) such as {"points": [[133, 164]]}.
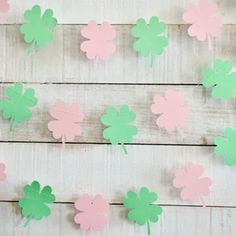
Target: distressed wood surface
{"points": [[174, 221], [119, 12], [103, 169], [63, 62], [208, 117]]}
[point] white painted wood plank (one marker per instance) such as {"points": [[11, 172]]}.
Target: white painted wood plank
{"points": [[120, 12], [174, 221], [106, 170], [208, 117], [62, 60]]}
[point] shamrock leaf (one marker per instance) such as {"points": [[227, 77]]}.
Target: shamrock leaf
{"points": [[16, 107], [226, 146], [142, 209], [121, 130], [38, 29], [4, 6], [151, 41], [34, 203], [221, 79]]}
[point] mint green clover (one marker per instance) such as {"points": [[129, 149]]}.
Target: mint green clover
{"points": [[38, 29], [226, 147], [151, 40], [121, 130], [142, 209], [15, 107], [221, 79], [34, 203]]}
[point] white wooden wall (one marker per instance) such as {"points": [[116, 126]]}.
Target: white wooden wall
{"points": [[61, 71]]}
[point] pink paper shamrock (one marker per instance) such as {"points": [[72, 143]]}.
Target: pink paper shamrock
{"points": [[194, 187], [66, 125], [2, 171], [99, 45], [4, 6], [205, 23], [92, 212], [171, 110]]}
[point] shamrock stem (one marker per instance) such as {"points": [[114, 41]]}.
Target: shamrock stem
{"points": [[11, 125], [151, 60], [124, 149], [63, 140], [28, 219], [209, 42], [89, 232], [95, 63], [148, 228], [203, 203], [31, 48], [181, 132]]}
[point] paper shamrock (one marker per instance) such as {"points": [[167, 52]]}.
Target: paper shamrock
{"points": [[2, 172], [99, 45], [225, 146], [193, 185], [221, 78], [205, 23], [141, 207], [16, 106], [38, 29], [66, 126], [171, 110], [120, 130], [92, 213], [151, 40], [4, 6], [34, 203]]}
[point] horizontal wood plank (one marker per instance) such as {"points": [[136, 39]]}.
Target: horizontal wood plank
{"points": [[119, 12], [208, 117], [207, 222], [94, 169], [63, 62]]}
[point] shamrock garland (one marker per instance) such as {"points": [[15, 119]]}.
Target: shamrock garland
{"points": [[16, 107], [151, 40], [38, 29], [121, 130], [142, 210]]}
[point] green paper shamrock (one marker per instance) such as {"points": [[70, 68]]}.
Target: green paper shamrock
{"points": [[221, 79], [226, 146], [121, 130], [142, 209], [34, 203], [15, 107], [151, 40], [38, 29]]}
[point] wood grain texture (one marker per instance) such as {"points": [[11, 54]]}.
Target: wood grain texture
{"points": [[94, 169], [63, 62], [208, 117], [119, 12], [174, 221]]}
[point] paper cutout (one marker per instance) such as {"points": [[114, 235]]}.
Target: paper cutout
{"points": [[151, 41], [221, 78], [193, 186], [100, 45], [205, 23], [121, 130], [226, 148], [16, 106], [4, 6], [34, 203], [92, 213], [172, 112], [38, 31], [66, 126], [2, 172], [141, 207]]}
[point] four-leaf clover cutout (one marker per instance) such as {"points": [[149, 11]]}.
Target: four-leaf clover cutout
{"points": [[225, 146], [142, 209], [151, 40], [120, 130], [34, 203], [16, 106], [221, 78], [38, 29]]}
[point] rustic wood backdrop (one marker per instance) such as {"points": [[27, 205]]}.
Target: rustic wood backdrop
{"points": [[61, 71]]}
